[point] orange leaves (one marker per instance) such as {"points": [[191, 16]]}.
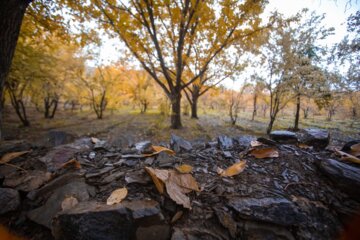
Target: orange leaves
{"points": [[177, 184], [347, 157], [159, 149], [156, 175], [355, 150], [265, 153], [233, 170], [117, 196], [72, 163], [184, 168], [10, 156]]}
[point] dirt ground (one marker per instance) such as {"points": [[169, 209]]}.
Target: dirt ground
{"points": [[152, 126]]}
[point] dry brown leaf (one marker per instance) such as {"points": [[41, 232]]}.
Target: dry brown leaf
{"points": [[10, 156], [265, 153], [355, 150], [159, 149], [234, 169], [72, 163], [304, 146], [176, 193], [69, 202], [117, 196], [177, 216], [184, 168], [159, 184], [95, 140], [186, 181], [347, 157], [255, 143]]}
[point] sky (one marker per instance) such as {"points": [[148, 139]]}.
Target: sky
{"points": [[336, 14]]}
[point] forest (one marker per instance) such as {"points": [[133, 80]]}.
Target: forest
{"points": [[229, 82]]}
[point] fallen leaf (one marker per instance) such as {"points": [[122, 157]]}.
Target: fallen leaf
{"points": [[176, 193], [234, 169], [159, 184], [347, 157], [177, 216], [10, 156], [265, 153], [117, 196], [73, 162], [304, 146], [255, 143], [159, 149], [186, 181], [355, 150], [95, 140], [69, 202], [177, 184], [184, 168]]}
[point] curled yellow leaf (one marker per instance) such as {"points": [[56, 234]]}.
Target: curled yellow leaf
{"points": [[233, 170], [117, 196]]}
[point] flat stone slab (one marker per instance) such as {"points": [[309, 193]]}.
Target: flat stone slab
{"points": [[178, 144], [283, 136], [98, 221], [9, 200], [273, 210], [345, 176], [44, 214], [318, 138], [27, 181]]}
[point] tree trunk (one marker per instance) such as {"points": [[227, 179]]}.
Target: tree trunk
{"points": [[11, 16], [54, 104], [254, 108], [270, 126], [194, 107], [297, 114], [176, 111]]}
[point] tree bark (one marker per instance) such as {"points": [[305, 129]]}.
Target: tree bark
{"points": [[194, 103], [254, 107], [297, 113], [176, 111], [270, 126], [11, 16]]}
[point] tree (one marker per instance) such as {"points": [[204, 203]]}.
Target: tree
{"points": [[276, 68], [304, 51], [257, 89], [162, 35], [235, 103], [141, 89], [98, 83]]}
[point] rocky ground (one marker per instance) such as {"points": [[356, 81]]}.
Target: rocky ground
{"points": [[306, 192]]}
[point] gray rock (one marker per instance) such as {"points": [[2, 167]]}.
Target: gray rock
{"points": [[27, 181], [318, 138], [345, 176], [91, 220], [9, 200], [47, 189], [179, 144], [55, 158], [259, 230], [225, 142], [143, 147], [44, 214], [283, 136], [244, 140], [155, 232], [273, 210]]}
